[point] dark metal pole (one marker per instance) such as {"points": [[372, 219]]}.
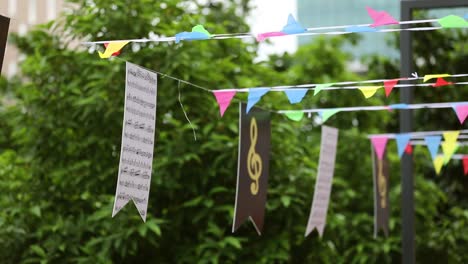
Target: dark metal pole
{"points": [[406, 120]]}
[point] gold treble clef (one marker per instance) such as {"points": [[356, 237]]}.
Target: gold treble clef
{"points": [[254, 161], [382, 185]]}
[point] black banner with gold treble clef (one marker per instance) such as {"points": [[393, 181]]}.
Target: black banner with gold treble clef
{"points": [[381, 187], [4, 25], [253, 165]]}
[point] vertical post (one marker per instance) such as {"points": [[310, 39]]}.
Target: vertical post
{"points": [[406, 116]]}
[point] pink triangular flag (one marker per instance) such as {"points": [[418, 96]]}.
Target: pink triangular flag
{"points": [[462, 112], [381, 18], [224, 98], [262, 36], [389, 84], [379, 143]]}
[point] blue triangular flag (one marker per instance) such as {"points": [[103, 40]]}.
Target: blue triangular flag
{"points": [[433, 143], [293, 27], [255, 95], [402, 141], [295, 95]]}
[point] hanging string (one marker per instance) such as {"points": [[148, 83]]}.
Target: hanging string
{"points": [[417, 134], [185, 113], [376, 108], [309, 31], [339, 85]]}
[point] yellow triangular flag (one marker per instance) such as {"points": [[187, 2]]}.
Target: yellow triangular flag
{"points": [[432, 76], [438, 163], [451, 136], [449, 148], [112, 48], [369, 91]]}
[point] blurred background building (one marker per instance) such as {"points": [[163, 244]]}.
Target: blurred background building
{"points": [[24, 14]]}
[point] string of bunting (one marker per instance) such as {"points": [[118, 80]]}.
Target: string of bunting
{"points": [[379, 18], [224, 96], [432, 139]]}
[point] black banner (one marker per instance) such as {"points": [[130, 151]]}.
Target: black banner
{"points": [[4, 25], [381, 187], [253, 165]]}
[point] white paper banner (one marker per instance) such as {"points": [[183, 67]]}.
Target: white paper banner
{"points": [[136, 154], [323, 184]]}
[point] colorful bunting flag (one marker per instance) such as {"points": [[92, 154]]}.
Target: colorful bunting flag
{"points": [[262, 36], [295, 115], [253, 167], [369, 91], [441, 82], [4, 26], [433, 76], [198, 33], [293, 27], [452, 21], [389, 85], [381, 18], [409, 149], [112, 48], [451, 136], [433, 143], [255, 94], [320, 87], [449, 148], [224, 98], [295, 95], [438, 163], [465, 164], [117, 53], [326, 114], [402, 141], [462, 111], [379, 143]]}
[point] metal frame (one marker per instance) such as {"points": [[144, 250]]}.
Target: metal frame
{"points": [[406, 119]]}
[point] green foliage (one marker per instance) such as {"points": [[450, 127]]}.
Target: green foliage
{"points": [[60, 140]]}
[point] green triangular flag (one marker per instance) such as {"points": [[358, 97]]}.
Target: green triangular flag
{"points": [[452, 21], [201, 29], [319, 87], [295, 115], [326, 114]]}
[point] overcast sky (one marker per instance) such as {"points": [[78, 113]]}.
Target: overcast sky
{"points": [[272, 15]]}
